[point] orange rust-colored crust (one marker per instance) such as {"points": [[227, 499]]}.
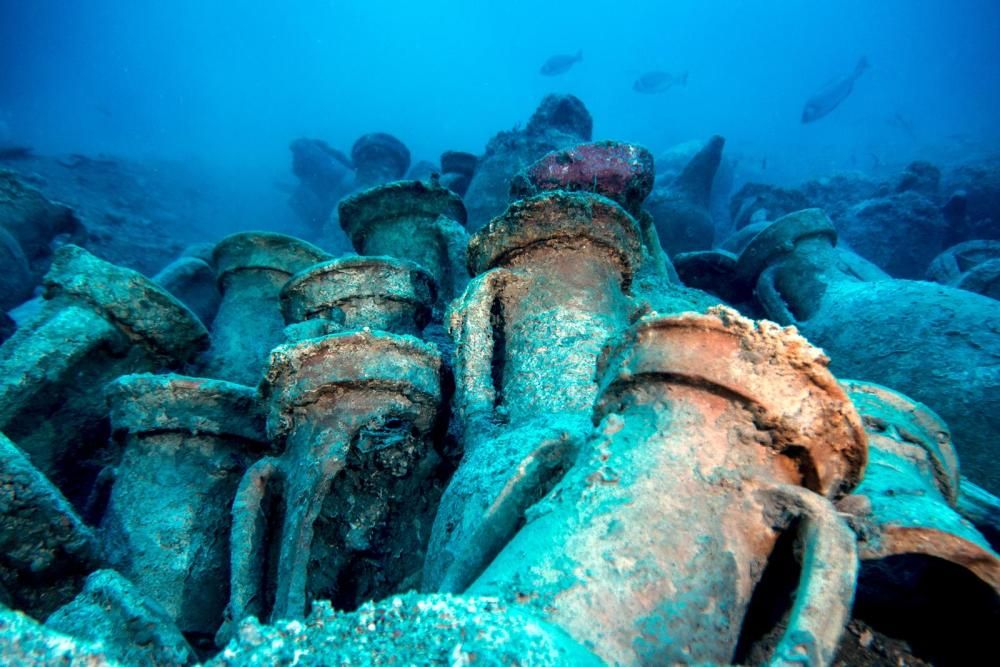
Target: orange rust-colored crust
{"points": [[299, 373], [558, 218], [774, 370], [896, 540]]}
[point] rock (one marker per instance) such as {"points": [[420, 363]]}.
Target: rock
{"points": [[132, 629], [27, 643], [407, 629], [900, 233], [759, 203], [921, 177], [562, 113], [837, 193], [979, 182], [34, 222], [7, 327], [559, 122], [16, 279]]}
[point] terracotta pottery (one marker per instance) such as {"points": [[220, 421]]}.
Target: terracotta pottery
{"points": [[97, 322], [47, 550], [936, 344], [553, 275], [415, 220], [715, 435], [380, 293], [973, 266], [252, 267], [353, 413], [909, 496], [187, 442]]}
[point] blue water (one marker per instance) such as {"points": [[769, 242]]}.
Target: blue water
{"points": [[231, 82]]}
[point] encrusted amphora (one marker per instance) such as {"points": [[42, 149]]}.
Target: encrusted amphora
{"points": [[552, 284], [716, 435]]}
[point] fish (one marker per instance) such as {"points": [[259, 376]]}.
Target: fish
{"points": [[832, 94], [658, 82], [560, 64]]}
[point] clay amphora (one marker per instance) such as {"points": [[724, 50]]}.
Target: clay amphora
{"points": [[681, 209], [47, 550], [415, 220], [621, 172], [973, 266], [553, 274], [187, 442], [252, 267], [192, 281], [353, 413], [715, 435], [910, 493], [938, 344], [132, 628], [97, 322], [380, 293]]}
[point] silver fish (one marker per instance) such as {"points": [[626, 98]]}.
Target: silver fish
{"points": [[560, 64], [835, 92], [659, 82]]}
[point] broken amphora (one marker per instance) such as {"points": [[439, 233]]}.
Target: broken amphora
{"points": [[907, 502], [46, 551], [973, 266]]}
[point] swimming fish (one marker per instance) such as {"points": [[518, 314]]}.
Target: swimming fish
{"points": [[835, 92], [560, 64], [658, 82]]}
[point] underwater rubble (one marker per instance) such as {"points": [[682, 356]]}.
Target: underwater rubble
{"points": [[551, 413]]}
